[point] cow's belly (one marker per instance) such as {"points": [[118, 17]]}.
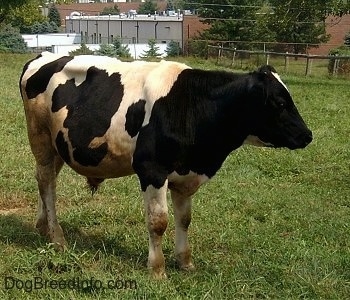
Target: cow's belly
{"points": [[107, 156], [110, 167]]}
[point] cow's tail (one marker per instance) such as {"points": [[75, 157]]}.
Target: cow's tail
{"points": [[94, 183]]}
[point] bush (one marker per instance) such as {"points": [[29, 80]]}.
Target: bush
{"points": [[41, 27], [83, 50], [114, 50], [173, 49], [110, 11], [11, 40], [340, 66], [197, 48], [54, 16], [152, 51]]}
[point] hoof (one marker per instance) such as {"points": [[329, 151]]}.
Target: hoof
{"points": [[187, 267], [184, 261], [42, 227], [60, 246], [158, 275]]}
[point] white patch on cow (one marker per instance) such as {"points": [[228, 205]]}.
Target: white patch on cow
{"points": [[279, 80], [156, 212], [255, 141], [175, 177], [187, 184]]}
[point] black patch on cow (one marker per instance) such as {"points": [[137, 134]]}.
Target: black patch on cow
{"points": [[134, 117], [91, 105], [189, 129], [25, 68], [62, 147], [38, 82]]}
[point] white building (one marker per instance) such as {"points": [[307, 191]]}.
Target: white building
{"points": [[130, 28]]}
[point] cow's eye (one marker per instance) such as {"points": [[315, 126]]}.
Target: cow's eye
{"points": [[281, 105]]}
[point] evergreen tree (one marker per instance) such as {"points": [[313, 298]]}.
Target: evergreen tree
{"points": [[114, 50], [106, 50], [121, 50], [83, 50], [173, 49], [152, 52], [54, 15], [11, 40], [110, 10], [148, 7]]}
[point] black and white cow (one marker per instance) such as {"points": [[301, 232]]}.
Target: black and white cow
{"points": [[171, 125]]}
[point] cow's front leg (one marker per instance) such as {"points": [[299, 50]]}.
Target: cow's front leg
{"points": [[182, 214], [156, 210], [47, 223]]}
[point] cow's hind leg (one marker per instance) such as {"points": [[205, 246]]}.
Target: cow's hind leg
{"points": [[182, 214], [48, 164], [42, 222], [156, 210]]}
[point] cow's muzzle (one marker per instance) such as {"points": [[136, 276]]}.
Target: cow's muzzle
{"points": [[301, 141]]}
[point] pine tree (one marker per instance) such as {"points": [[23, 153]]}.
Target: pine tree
{"points": [[152, 52], [54, 15], [11, 40], [83, 50], [173, 49], [147, 7], [121, 50]]}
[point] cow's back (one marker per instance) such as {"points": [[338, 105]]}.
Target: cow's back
{"points": [[93, 107]]}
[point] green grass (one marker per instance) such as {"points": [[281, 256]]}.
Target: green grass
{"points": [[273, 224]]}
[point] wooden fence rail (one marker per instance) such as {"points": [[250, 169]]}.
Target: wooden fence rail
{"points": [[286, 55]]}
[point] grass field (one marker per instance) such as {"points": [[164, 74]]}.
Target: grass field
{"points": [[273, 224]]}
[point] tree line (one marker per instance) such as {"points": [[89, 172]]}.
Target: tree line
{"points": [[293, 23]]}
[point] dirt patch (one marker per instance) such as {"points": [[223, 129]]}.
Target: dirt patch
{"points": [[5, 212]]}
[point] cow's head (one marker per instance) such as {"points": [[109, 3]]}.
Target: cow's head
{"points": [[275, 120]]}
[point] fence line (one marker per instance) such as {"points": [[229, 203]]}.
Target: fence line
{"points": [[286, 55]]}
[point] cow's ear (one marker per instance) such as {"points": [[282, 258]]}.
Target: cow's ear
{"points": [[259, 85], [267, 69]]}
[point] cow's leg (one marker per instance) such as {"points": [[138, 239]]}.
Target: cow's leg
{"points": [[42, 222], [48, 165], [182, 214], [156, 211], [47, 222]]}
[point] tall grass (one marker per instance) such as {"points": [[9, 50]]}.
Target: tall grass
{"points": [[272, 224]]}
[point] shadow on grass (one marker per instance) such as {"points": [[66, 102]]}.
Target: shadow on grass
{"points": [[17, 232]]}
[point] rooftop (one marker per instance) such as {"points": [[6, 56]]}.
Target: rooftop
{"points": [[126, 17]]}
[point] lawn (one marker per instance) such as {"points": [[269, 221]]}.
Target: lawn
{"points": [[273, 224]]}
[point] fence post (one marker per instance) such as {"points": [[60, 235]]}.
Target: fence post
{"points": [[267, 58], [219, 54], [286, 62], [308, 65], [335, 66], [233, 57]]}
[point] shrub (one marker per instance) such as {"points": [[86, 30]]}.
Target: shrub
{"points": [[54, 16], [83, 50], [110, 10], [41, 27], [197, 48], [173, 49], [152, 51], [11, 40], [340, 66], [116, 49]]}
